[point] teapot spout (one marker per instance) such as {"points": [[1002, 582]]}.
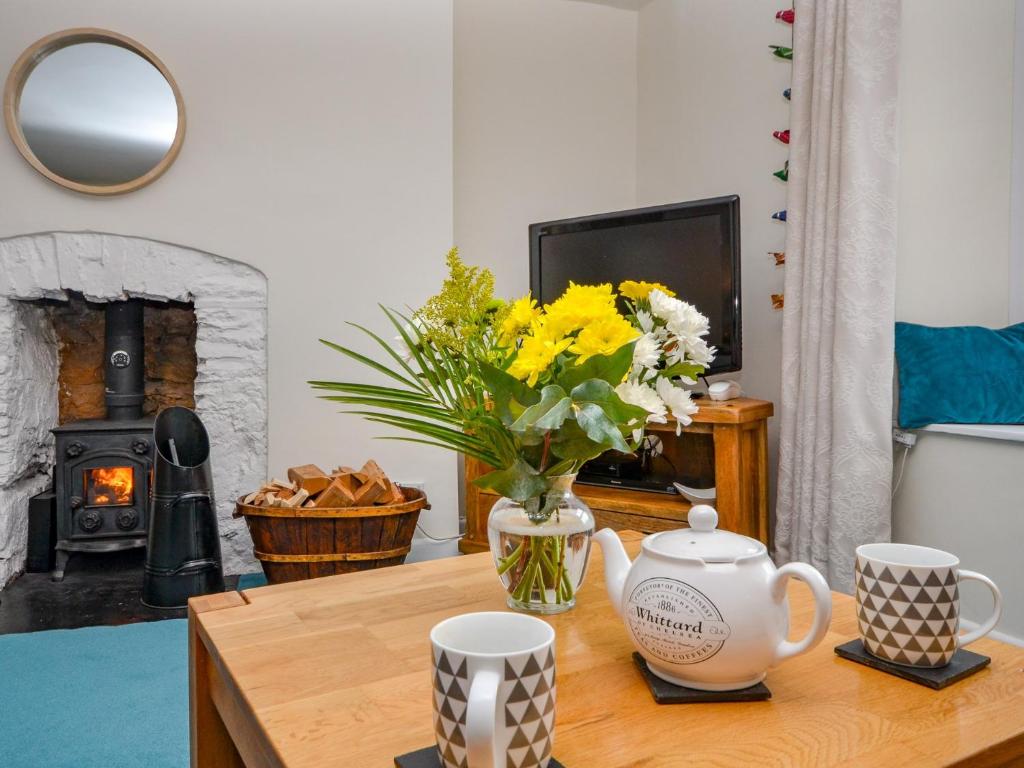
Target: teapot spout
{"points": [[616, 565]]}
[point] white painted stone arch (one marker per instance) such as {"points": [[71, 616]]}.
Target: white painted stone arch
{"points": [[230, 300]]}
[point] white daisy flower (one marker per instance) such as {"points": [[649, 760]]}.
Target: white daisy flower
{"points": [[646, 353], [664, 306], [644, 396], [643, 317], [678, 401], [699, 352], [687, 323]]}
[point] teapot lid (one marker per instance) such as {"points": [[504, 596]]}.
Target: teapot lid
{"points": [[703, 542]]}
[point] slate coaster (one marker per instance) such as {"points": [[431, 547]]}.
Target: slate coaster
{"points": [[964, 664], [428, 758], [666, 693]]}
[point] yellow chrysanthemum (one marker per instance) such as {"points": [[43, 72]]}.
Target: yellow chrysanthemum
{"points": [[537, 352], [641, 289], [521, 314], [604, 336], [579, 306]]}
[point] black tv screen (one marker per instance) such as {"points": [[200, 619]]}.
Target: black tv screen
{"points": [[693, 248]]}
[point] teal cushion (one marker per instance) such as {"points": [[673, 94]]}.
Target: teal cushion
{"points": [[961, 375]]}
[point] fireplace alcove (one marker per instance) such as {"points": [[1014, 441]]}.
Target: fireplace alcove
{"points": [[229, 300]]}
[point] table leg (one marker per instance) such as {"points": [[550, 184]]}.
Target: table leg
{"points": [[211, 744]]}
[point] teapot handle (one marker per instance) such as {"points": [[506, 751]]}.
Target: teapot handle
{"points": [[822, 607]]}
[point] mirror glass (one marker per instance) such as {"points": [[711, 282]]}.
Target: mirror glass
{"points": [[98, 114]]}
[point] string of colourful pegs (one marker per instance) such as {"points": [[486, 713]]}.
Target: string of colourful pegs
{"points": [[786, 16]]}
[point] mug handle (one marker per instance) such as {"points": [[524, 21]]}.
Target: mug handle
{"points": [[481, 716], [822, 607], [997, 609]]}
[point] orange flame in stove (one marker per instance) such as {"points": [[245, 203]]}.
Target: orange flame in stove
{"points": [[110, 485]]}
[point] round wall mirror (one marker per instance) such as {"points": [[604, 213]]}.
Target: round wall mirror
{"points": [[94, 111]]}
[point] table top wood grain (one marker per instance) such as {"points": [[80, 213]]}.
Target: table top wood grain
{"points": [[335, 672]]}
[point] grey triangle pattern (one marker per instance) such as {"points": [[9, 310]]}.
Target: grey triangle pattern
{"points": [[908, 615], [451, 689], [530, 710]]}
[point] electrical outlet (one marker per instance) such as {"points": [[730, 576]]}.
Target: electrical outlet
{"points": [[904, 437]]}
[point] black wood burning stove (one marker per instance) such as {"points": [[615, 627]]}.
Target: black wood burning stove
{"points": [[104, 466]]}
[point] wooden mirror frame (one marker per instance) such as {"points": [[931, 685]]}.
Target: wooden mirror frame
{"points": [[42, 48]]}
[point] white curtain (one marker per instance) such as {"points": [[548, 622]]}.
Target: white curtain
{"points": [[835, 456]]}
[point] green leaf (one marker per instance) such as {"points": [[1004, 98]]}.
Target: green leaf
{"points": [[387, 348], [401, 406], [687, 370], [432, 372], [437, 431], [509, 395], [573, 444], [599, 428], [380, 367], [554, 408], [353, 388], [568, 466], [604, 396], [608, 368], [518, 482]]}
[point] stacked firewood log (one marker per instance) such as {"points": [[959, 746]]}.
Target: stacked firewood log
{"points": [[310, 486]]}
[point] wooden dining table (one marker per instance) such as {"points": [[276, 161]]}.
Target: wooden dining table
{"points": [[336, 672]]}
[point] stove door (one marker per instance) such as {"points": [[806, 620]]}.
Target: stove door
{"points": [[109, 486], [108, 497]]}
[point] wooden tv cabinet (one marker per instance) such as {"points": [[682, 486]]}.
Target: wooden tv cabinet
{"points": [[726, 445]]}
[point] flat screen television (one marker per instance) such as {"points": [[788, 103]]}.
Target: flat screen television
{"points": [[693, 248]]}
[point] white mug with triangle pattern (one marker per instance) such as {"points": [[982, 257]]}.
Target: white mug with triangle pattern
{"points": [[908, 604], [494, 690]]}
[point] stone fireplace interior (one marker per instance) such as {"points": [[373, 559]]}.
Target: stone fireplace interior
{"points": [[170, 356]]}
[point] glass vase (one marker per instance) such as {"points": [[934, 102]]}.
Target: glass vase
{"points": [[541, 547]]}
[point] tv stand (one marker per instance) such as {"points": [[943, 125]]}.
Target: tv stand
{"points": [[727, 444]]}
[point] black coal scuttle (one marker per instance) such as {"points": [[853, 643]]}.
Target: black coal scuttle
{"points": [[104, 466]]}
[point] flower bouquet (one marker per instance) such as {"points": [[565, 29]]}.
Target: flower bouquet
{"points": [[534, 392]]}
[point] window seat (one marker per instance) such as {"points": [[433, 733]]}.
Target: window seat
{"points": [[1013, 432]]}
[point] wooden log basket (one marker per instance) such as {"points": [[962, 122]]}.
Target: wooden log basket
{"points": [[294, 543]]}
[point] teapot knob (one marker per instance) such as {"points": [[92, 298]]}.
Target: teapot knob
{"points": [[702, 518]]}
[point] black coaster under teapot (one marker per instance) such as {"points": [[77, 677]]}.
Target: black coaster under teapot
{"points": [[428, 758], [665, 692], [964, 664]]}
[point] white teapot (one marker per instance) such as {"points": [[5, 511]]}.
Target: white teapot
{"points": [[706, 608]]}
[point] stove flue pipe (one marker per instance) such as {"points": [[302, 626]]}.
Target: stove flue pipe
{"points": [[124, 364]]}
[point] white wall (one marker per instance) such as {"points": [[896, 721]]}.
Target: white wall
{"points": [[710, 95], [545, 122], [954, 201], [319, 150], [960, 494]]}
